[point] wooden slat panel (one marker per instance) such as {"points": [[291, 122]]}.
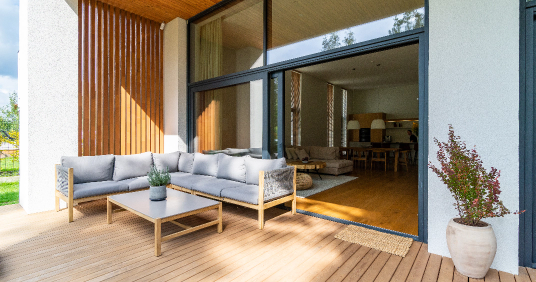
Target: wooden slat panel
{"points": [[161, 94], [120, 81], [80, 63]]}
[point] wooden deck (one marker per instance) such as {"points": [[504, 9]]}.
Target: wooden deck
{"points": [[44, 247]]}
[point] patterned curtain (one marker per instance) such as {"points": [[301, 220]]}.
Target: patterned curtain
{"points": [[330, 110], [295, 109]]}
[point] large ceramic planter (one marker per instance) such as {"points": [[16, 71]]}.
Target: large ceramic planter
{"points": [[472, 248], [157, 193]]}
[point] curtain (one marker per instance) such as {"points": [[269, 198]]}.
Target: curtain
{"points": [[295, 109], [209, 51], [330, 110]]}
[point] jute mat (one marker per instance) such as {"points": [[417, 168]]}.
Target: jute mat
{"points": [[389, 243]]}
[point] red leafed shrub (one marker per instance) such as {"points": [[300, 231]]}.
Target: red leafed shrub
{"points": [[475, 190]]}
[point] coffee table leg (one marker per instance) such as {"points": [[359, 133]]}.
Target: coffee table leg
{"points": [[158, 237], [220, 218], [109, 211]]}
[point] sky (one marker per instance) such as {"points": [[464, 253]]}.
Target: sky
{"points": [[9, 47]]}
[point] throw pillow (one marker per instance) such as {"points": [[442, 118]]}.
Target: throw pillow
{"points": [[169, 161], [289, 154], [232, 168], [90, 168], [186, 162], [205, 164], [294, 154], [130, 166], [302, 154]]}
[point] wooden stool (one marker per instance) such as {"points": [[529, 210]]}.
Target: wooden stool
{"points": [[377, 157], [404, 158], [360, 154], [303, 181]]}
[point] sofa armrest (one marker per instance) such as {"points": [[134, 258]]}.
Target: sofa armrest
{"points": [[64, 180], [277, 183]]}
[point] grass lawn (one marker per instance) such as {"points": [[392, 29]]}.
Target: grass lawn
{"points": [[9, 193], [9, 167]]}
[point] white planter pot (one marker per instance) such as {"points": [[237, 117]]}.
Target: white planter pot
{"points": [[472, 248], [157, 193]]}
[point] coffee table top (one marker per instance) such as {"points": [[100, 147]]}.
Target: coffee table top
{"points": [[309, 165], [176, 203]]}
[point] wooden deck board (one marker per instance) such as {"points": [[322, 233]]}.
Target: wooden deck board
{"points": [[44, 247]]}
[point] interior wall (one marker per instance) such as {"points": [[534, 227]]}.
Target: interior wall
{"points": [[474, 85], [48, 81], [396, 102]]}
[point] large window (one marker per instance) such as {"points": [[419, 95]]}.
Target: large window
{"points": [[229, 118], [299, 28], [228, 40]]}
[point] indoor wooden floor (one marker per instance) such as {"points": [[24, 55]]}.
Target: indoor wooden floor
{"points": [[44, 247], [385, 199]]}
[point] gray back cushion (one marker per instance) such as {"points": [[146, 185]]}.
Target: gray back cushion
{"points": [[130, 166], [253, 166], [91, 168], [232, 168], [186, 162], [205, 164], [169, 160]]}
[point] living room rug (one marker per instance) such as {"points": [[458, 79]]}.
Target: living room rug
{"points": [[389, 243], [327, 182]]}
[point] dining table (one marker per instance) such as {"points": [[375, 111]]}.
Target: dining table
{"points": [[350, 152]]}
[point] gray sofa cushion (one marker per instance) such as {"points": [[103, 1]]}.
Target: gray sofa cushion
{"points": [[136, 183], [188, 181], [90, 189], [205, 164], [214, 186], [246, 193], [232, 168], [169, 160], [253, 166], [91, 168], [131, 166], [175, 175], [186, 162]]}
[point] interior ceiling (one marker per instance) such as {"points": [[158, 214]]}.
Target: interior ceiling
{"points": [[163, 10], [397, 66]]}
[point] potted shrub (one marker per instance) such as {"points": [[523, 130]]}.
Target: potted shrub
{"points": [[471, 241], [158, 179]]}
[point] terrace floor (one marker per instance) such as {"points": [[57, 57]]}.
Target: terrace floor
{"points": [[45, 247]]}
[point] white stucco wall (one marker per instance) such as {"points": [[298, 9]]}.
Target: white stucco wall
{"points": [[474, 85], [48, 93], [175, 86]]}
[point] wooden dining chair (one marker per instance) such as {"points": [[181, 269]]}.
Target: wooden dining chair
{"points": [[360, 154], [378, 155], [404, 158]]}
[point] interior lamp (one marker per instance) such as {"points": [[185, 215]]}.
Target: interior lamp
{"points": [[377, 124], [353, 124]]}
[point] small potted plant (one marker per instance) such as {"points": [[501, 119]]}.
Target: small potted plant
{"points": [[471, 241], [158, 179]]}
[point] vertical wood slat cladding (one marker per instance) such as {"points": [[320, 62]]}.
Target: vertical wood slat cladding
{"points": [[120, 81]]}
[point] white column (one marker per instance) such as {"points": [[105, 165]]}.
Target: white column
{"points": [[175, 86], [474, 85], [48, 96]]}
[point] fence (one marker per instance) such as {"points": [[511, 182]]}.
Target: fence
{"points": [[9, 148]]}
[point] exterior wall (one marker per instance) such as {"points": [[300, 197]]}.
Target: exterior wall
{"points": [[175, 86], [48, 92], [474, 85]]}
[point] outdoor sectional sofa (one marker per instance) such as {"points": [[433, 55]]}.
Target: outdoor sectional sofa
{"points": [[254, 183]]}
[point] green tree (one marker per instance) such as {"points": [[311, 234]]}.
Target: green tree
{"points": [[331, 41], [409, 21], [9, 119], [349, 39]]}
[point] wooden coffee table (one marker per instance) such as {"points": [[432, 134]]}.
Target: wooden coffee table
{"points": [[177, 205], [316, 165]]}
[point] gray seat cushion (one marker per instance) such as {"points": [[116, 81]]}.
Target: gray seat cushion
{"points": [[131, 166], [89, 189], [214, 186], [169, 160], [136, 183], [205, 164], [175, 175], [91, 168], [188, 181], [254, 166], [245, 193], [186, 162], [232, 168]]}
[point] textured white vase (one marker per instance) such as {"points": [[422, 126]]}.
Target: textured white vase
{"points": [[157, 193], [472, 248]]}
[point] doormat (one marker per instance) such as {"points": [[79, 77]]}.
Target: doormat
{"points": [[389, 243]]}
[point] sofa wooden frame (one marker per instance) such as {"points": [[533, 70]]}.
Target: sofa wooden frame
{"points": [[70, 195], [260, 207]]}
